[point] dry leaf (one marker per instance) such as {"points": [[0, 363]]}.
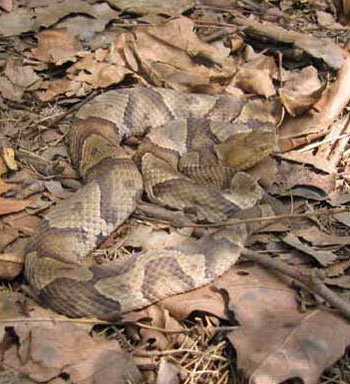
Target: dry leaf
{"points": [[7, 236], [44, 353], [3, 167], [55, 45], [256, 76], [300, 345], [20, 75], [8, 155], [324, 112], [297, 180], [162, 7], [5, 187], [326, 20], [9, 206], [317, 237], [23, 222], [323, 257], [24, 20], [266, 309], [301, 90], [327, 154], [177, 58], [6, 5], [10, 265], [168, 373]]}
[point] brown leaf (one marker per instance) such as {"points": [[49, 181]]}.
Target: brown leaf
{"points": [[326, 20], [23, 222], [24, 20], [7, 236], [327, 154], [3, 167], [294, 179], [20, 75], [9, 90], [55, 45], [45, 353], [10, 265], [256, 76], [323, 257], [5, 187], [324, 112], [267, 311], [9, 206], [177, 58], [168, 373], [101, 75], [175, 8], [8, 155], [317, 237], [6, 5], [301, 90]]}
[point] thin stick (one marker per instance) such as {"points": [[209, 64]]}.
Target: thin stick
{"points": [[325, 212], [71, 110], [52, 320], [176, 352], [217, 329], [310, 280]]}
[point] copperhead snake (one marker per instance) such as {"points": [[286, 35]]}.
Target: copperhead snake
{"points": [[192, 147]]}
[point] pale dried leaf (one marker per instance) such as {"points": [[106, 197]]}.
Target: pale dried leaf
{"points": [[168, 373], [162, 7], [301, 90], [324, 112], [340, 281], [23, 222], [6, 5], [8, 154], [24, 20], [9, 90], [10, 265], [256, 76], [323, 257], [5, 187], [267, 310], [176, 57], [255, 81], [9, 206], [20, 75], [55, 45], [45, 353], [319, 238], [294, 179], [325, 19], [7, 236], [3, 167]]}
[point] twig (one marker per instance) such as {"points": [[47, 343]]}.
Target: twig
{"points": [[216, 329], [52, 320], [310, 280], [73, 109], [176, 352], [325, 212]]}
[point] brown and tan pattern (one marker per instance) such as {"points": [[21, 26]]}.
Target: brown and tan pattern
{"points": [[184, 162]]}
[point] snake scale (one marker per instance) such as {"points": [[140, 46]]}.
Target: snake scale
{"points": [[184, 162]]}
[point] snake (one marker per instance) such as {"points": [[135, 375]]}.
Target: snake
{"points": [[192, 149]]}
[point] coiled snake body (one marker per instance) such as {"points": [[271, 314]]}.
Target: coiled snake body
{"points": [[182, 163]]}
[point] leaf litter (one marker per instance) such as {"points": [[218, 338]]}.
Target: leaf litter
{"points": [[255, 323]]}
